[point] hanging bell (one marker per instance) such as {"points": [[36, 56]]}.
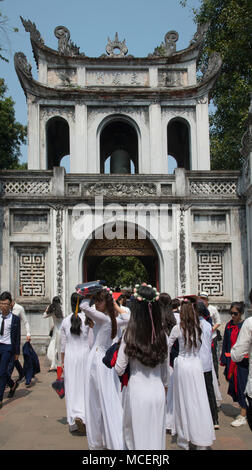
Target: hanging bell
{"points": [[120, 162]]}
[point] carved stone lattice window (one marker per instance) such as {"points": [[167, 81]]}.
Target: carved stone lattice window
{"points": [[209, 187], [25, 186], [31, 266], [211, 271]]}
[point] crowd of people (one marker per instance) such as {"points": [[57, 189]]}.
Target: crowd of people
{"points": [[170, 346], [162, 372]]}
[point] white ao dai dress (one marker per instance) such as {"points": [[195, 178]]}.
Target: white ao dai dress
{"points": [[53, 351], [102, 401], [192, 416], [76, 349], [144, 404]]}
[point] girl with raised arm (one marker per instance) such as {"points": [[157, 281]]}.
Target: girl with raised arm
{"points": [[102, 402]]}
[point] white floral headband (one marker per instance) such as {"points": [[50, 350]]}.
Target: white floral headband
{"points": [[108, 289], [140, 298]]}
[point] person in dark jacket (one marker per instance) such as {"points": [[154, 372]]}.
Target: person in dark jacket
{"points": [[236, 373], [10, 333]]}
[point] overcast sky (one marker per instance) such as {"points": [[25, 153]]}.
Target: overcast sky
{"points": [[143, 23]]}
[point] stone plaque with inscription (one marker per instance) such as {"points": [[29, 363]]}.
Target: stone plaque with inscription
{"points": [[117, 77]]}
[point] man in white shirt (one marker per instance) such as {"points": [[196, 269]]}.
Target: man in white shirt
{"points": [[19, 311], [241, 348], [9, 341], [216, 322]]}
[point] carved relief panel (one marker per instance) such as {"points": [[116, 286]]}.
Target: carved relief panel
{"points": [[30, 271], [211, 264], [61, 77], [172, 78]]}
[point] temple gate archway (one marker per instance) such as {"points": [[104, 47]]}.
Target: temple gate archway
{"points": [[100, 249]]}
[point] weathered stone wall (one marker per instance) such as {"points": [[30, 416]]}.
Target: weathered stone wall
{"points": [[195, 222]]}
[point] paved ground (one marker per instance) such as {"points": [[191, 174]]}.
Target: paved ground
{"points": [[35, 419]]}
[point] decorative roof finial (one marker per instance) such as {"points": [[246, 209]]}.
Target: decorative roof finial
{"points": [[168, 47], [65, 45], [32, 29], [116, 44]]}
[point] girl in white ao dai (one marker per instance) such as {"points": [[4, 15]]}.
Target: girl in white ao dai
{"points": [[144, 346], [74, 355], [102, 401], [192, 416]]}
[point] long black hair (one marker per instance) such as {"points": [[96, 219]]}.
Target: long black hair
{"points": [[167, 315], [138, 335], [55, 307], [75, 319], [190, 323], [109, 310]]}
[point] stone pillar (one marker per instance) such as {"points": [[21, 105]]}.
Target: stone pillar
{"points": [[180, 182], [33, 135], [81, 76], [183, 250], [202, 132], [239, 252], [249, 241], [156, 157], [153, 77], [249, 220], [58, 254], [58, 182], [78, 159]]}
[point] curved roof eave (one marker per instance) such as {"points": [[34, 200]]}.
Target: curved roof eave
{"points": [[35, 88]]}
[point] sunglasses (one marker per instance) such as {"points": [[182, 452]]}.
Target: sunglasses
{"points": [[234, 313]]}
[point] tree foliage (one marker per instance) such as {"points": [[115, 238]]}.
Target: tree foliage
{"points": [[122, 271], [12, 133], [229, 33]]}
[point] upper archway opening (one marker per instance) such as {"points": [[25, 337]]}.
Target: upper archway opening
{"points": [[119, 142], [179, 142], [57, 141]]}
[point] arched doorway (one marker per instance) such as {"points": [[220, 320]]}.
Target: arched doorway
{"points": [[122, 271], [118, 147], [178, 136], [142, 250], [57, 141]]}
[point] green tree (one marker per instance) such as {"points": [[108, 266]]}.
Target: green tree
{"points": [[229, 33], [12, 133], [122, 271]]}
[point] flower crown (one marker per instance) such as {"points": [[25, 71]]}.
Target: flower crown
{"points": [[107, 289], [140, 298]]}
